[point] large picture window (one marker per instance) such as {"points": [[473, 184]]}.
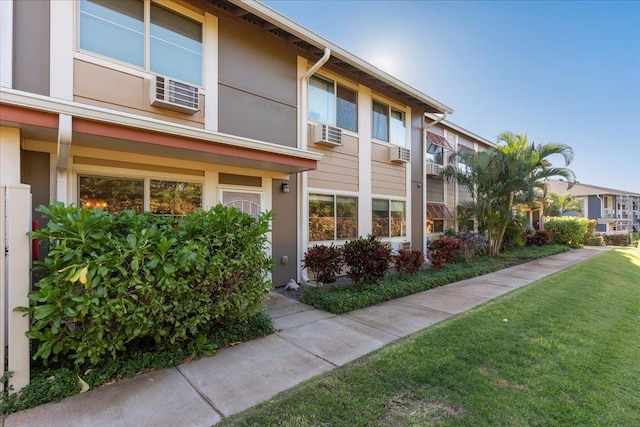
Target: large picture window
{"points": [[389, 218], [332, 217], [165, 197], [332, 103], [389, 124], [116, 29]]}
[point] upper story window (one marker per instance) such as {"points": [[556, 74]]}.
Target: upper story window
{"points": [[332, 103], [389, 124], [436, 144], [166, 43]]}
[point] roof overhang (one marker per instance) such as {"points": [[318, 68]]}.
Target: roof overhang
{"points": [[278, 25], [98, 127]]}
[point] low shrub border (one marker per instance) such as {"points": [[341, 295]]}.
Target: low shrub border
{"points": [[342, 299]]}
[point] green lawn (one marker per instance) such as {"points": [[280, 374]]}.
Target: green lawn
{"points": [[563, 351]]}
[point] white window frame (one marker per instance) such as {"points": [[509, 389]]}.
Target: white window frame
{"points": [[335, 213], [144, 71], [146, 176], [337, 83], [403, 141], [388, 199]]}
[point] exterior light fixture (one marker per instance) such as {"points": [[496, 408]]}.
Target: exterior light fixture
{"points": [[285, 188]]}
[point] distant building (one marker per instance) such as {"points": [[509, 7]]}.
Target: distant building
{"points": [[614, 210]]}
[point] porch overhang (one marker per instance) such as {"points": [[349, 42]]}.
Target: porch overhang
{"points": [[38, 118]]}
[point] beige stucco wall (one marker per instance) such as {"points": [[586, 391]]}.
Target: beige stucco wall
{"points": [[106, 87], [387, 178], [338, 169]]}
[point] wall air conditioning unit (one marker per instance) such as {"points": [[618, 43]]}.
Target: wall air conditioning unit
{"points": [[174, 95], [405, 245], [433, 169], [327, 135], [399, 154]]}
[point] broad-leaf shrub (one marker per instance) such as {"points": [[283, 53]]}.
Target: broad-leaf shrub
{"points": [[538, 237], [368, 259], [444, 251], [566, 230], [325, 262], [617, 239], [409, 261], [112, 281]]}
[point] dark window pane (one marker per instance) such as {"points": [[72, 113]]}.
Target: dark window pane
{"points": [[176, 46], [322, 100], [347, 109], [380, 218], [380, 121], [174, 198], [398, 219], [347, 219], [321, 217], [113, 28], [111, 194]]}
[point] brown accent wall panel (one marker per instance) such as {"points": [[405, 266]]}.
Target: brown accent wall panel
{"points": [[232, 179], [338, 169], [257, 95], [31, 46], [251, 116]]}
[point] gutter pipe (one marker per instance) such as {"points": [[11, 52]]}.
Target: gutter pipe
{"points": [[303, 131]]}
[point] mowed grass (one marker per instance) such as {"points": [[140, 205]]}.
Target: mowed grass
{"points": [[563, 351]]}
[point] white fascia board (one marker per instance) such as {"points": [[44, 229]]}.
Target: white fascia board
{"points": [[309, 36], [90, 112], [461, 130]]}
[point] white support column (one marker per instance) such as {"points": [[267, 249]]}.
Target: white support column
{"points": [[407, 186], [211, 72], [63, 160], [6, 43], [61, 46], [210, 190], [18, 280], [9, 155], [364, 160]]}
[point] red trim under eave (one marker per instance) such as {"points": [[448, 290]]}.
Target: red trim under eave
{"points": [[11, 113], [166, 140]]}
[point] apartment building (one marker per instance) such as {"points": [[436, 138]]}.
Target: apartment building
{"points": [[616, 211], [168, 106]]}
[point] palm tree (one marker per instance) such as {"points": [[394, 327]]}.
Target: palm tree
{"points": [[557, 204], [505, 176]]}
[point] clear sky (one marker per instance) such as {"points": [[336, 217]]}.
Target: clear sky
{"points": [[566, 72]]}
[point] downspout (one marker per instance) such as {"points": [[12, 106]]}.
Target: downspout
{"points": [[302, 144], [424, 178]]}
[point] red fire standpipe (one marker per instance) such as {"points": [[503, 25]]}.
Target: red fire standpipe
{"points": [[35, 246]]}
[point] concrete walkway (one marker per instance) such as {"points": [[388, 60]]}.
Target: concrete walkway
{"points": [[308, 343]]}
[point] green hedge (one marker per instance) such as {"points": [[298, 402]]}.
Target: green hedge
{"points": [[113, 281], [567, 230]]}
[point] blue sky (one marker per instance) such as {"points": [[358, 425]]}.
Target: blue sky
{"points": [[565, 72]]}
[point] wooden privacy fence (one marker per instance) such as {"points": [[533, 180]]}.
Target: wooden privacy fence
{"points": [[15, 281]]}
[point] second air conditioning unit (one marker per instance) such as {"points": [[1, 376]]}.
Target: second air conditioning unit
{"points": [[174, 95], [399, 154], [433, 169], [327, 135]]}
